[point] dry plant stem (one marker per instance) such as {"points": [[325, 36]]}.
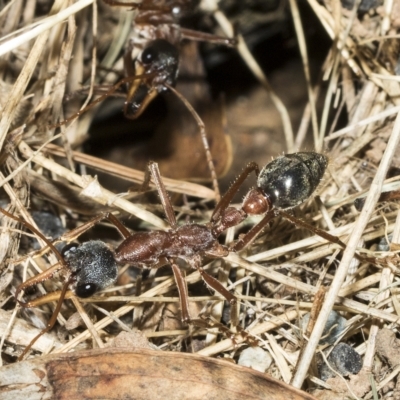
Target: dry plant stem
{"points": [[328, 97], [30, 64], [5, 330], [44, 25], [22, 211], [305, 121], [387, 380], [23, 79], [120, 38], [88, 322], [276, 350], [4, 11], [304, 56], [385, 282], [267, 326], [103, 196], [165, 299], [350, 305], [133, 175], [251, 62], [348, 254], [385, 26], [161, 288], [62, 71], [367, 98], [328, 23], [373, 118], [26, 162], [94, 55], [21, 333]]}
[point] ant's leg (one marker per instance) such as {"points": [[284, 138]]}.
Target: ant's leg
{"points": [[45, 299], [208, 322], [79, 230], [218, 287], [204, 139], [52, 320], [162, 192], [324, 235], [142, 5], [134, 5], [118, 224], [183, 292], [34, 281], [207, 37], [208, 279], [228, 196], [253, 232]]}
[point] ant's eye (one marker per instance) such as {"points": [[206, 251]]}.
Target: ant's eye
{"points": [[86, 290], [149, 55], [71, 246]]}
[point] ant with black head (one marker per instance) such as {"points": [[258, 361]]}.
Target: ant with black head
{"points": [[151, 61], [282, 184]]}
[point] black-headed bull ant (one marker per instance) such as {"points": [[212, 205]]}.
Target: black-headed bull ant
{"points": [[282, 184], [151, 60]]}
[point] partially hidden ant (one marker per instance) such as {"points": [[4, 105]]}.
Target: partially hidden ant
{"points": [[152, 53], [151, 61], [282, 184]]}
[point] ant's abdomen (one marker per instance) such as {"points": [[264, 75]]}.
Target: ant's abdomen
{"points": [[291, 179]]}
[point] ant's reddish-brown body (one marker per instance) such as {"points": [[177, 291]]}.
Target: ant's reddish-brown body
{"points": [[284, 183]]}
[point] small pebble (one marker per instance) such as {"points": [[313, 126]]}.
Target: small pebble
{"points": [[256, 358], [364, 6], [50, 225], [343, 359], [333, 328], [383, 244]]}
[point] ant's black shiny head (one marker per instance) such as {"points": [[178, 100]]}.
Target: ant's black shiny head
{"points": [[291, 179], [161, 57], [93, 266]]}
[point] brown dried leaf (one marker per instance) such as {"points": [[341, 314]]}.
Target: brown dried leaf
{"points": [[139, 374]]}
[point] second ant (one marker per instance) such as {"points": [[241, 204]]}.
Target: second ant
{"points": [[151, 66]]}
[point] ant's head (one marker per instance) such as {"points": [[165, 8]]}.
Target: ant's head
{"points": [[156, 66], [162, 58], [92, 265]]}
